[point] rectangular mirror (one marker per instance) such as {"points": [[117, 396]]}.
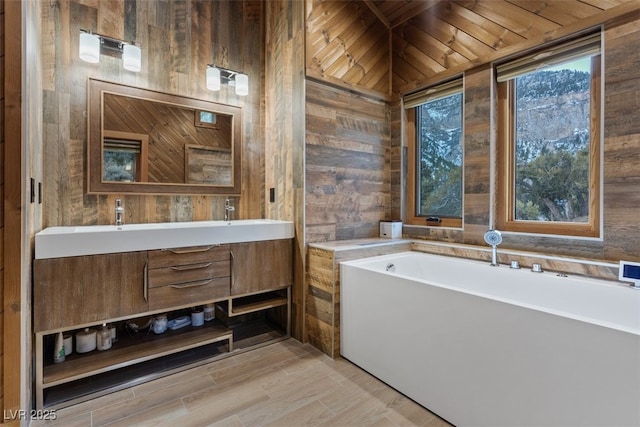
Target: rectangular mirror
{"points": [[144, 141]]}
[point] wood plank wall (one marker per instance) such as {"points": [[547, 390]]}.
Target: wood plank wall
{"points": [[444, 39], [32, 134], [348, 144], [348, 168], [322, 309], [178, 39], [329, 201], [2, 149], [398, 163], [621, 160], [284, 124], [622, 141], [13, 263]]}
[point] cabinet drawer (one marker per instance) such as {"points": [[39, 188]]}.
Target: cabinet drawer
{"points": [[191, 255], [176, 274], [189, 293]]}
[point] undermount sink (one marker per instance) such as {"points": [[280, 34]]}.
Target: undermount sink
{"points": [[57, 242]]}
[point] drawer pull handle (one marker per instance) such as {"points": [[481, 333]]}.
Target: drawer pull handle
{"points": [[191, 284], [145, 288], [190, 267], [232, 259], [191, 251]]}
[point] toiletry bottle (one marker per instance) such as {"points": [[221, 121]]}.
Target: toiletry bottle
{"points": [[114, 333], [86, 340], [209, 312], [58, 353], [104, 338], [68, 345]]}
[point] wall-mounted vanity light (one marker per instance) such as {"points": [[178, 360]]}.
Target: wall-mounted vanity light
{"points": [[92, 45], [218, 75]]}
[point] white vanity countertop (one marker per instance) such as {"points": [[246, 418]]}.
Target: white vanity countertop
{"points": [[58, 242]]}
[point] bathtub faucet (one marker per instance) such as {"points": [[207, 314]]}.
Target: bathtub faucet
{"points": [[493, 238], [494, 256]]}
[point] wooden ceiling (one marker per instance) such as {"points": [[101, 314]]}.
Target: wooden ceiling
{"points": [[396, 12], [431, 38], [346, 43], [451, 34]]}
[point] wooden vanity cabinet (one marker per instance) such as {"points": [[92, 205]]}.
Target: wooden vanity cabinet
{"points": [[249, 283], [86, 289], [188, 276], [261, 266]]}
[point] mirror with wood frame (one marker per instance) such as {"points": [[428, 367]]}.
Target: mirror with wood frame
{"points": [[143, 141]]}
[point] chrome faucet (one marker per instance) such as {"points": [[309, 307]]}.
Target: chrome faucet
{"points": [[228, 207], [119, 212]]}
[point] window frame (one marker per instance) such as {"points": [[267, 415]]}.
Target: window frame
{"points": [[412, 163], [505, 218]]}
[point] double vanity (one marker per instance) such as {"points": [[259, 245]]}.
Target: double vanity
{"points": [[88, 276]]}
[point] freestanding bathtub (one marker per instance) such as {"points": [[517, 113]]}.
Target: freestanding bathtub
{"points": [[492, 346]]}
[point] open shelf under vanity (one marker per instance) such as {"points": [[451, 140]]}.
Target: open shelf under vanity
{"points": [[144, 356]]}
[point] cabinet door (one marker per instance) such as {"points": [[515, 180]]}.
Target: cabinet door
{"points": [[261, 266], [78, 290]]}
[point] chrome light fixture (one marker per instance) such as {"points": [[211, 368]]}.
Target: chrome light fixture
{"points": [[92, 45], [216, 76]]}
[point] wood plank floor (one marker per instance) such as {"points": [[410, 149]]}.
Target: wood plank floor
{"points": [[283, 384]]}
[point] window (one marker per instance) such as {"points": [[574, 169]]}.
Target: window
{"points": [[549, 141], [205, 119], [124, 156], [435, 156]]}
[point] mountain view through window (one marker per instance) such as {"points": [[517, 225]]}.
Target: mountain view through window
{"points": [[552, 137], [439, 184]]}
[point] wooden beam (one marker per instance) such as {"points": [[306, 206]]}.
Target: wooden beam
{"points": [[377, 12], [332, 81], [412, 10]]}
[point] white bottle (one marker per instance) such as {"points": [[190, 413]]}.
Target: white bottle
{"points": [[58, 352], [104, 338]]}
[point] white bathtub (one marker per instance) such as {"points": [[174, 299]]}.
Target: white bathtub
{"points": [[492, 346]]}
